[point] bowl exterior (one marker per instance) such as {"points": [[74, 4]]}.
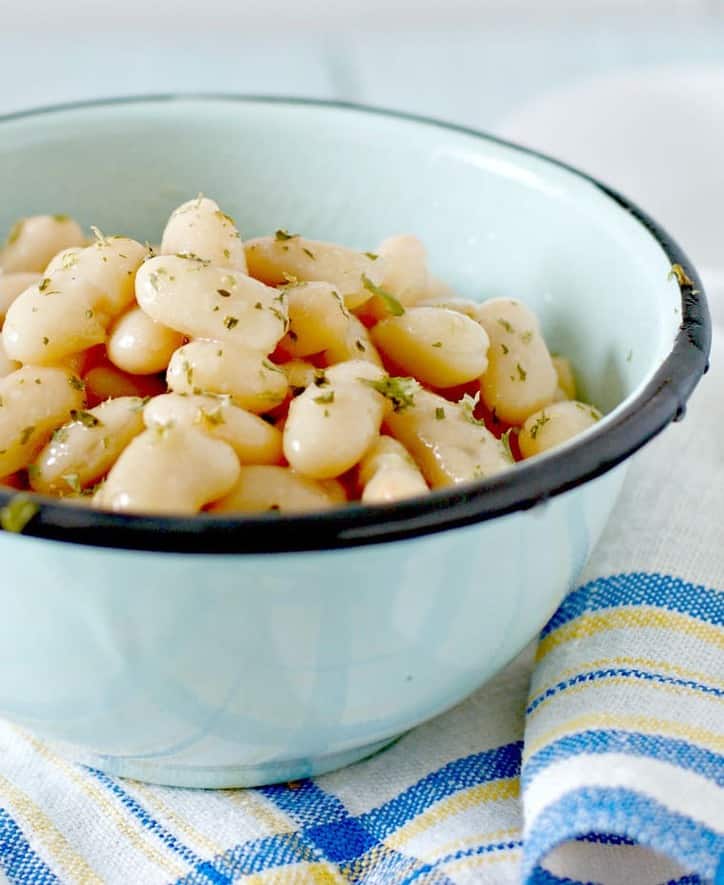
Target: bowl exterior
{"points": [[217, 671]]}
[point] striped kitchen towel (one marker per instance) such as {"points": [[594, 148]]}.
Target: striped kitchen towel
{"points": [[596, 758]]}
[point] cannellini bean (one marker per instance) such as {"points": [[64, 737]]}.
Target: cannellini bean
{"points": [[318, 319], [6, 364], [248, 377], [566, 378], [438, 346], [173, 470], [200, 228], [64, 260], [254, 440], [203, 301], [261, 488], [446, 441], [82, 451], [333, 423], [356, 345], [32, 242], [11, 285], [405, 266], [300, 374], [470, 309], [105, 381], [274, 260], [141, 346], [388, 473], [70, 310], [554, 425], [520, 378], [34, 401]]}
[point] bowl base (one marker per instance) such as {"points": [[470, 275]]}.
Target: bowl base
{"points": [[212, 777]]}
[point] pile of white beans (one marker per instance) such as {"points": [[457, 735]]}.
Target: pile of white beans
{"points": [[279, 373]]}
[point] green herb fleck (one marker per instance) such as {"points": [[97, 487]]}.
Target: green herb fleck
{"points": [[230, 322], [26, 433], [89, 314], [526, 337], [227, 254], [320, 378], [85, 418], [468, 404], [437, 344], [61, 218], [46, 340], [43, 284], [399, 391], [439, 413], [506, 325], [522, 374], [309, 253], [372, 256], [258, 306], [539, 424], [359, 344], [282, 235], [272, 367], [224, 293], [391, 303], [505, 348], [325, 398], [15, 232], [73, 481], [17, 513], [76, 383], [188, 372]]}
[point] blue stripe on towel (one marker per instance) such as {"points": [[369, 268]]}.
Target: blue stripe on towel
{"points": [[626, 813], [18, 861], [637, 589]]}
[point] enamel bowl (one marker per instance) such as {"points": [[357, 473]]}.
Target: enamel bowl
{"points": [[219, 652]]}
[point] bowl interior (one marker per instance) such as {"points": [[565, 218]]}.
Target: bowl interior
{"points": [[497, 221]]}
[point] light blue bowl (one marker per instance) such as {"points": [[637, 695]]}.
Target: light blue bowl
{"points": [[215, 652]]}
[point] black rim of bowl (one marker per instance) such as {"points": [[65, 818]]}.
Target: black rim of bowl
{"points": [[531, 483]]}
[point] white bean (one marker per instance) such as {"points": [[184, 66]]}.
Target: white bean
{"points": [[405, 266], [520, 378], [200, 228], [566, 378], [174, 470], [6, 364], [356, 345], [554, 425], [70, 310], [203, 301], [249, 378], [34, 401], [82, 451], [332, 424], [262, 488], [254, 440], [32, 242], [11, 285], [139, 345], [388, 473], [438, 346], [446, 441], [274, 260], [318, 319]]}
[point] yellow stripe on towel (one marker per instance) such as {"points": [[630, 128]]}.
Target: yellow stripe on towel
{"points": [[645, 724], [74, 865], [495, 791], [643, 617]]}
